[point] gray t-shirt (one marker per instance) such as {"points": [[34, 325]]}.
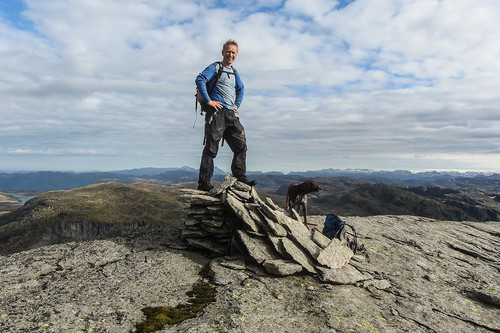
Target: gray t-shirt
{"points": [[226, 86]]}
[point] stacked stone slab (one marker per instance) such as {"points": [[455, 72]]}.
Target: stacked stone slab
{"points": [[233, 216]]}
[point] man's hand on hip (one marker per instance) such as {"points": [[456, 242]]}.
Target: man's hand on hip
{"points": [[216, 105]]}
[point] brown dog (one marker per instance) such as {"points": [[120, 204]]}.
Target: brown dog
{"points": [[296, 197]]}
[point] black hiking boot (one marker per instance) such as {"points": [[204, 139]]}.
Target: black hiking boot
{"points": [[245, 180], [205, 186]]}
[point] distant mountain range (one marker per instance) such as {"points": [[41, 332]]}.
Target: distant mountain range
{"points": [[440, 195], [57, 180]]}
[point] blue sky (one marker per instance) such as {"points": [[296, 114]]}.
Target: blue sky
{"points": [[384, 85]]}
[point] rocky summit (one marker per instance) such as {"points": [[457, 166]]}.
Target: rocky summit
{"points": [[232, 218], [416, 275]]}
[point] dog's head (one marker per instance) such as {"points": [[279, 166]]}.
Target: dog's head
{"points": [[311, 186]]}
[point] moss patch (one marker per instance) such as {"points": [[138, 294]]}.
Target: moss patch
{"points": [[157, 317]]}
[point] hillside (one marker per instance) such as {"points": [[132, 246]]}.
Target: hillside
{"points": [[426, 201], [7, 202], [346, 196], [90, 212], [106, 209], [440, 195]]}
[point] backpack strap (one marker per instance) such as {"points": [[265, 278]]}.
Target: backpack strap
{"points": [[352, 242], [211, 83], [214, 80]]}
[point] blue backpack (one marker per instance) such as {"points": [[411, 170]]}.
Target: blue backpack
{"points": [[335, 228]]}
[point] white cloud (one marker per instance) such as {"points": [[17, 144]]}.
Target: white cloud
{"points": [[311, 8], [372, 85]]}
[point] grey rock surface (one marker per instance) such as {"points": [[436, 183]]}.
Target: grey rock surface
{"points": [[94, 286], [418, 275], [411, 281]]}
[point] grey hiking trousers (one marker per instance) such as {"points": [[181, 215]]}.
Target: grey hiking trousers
{"points": [[223, 124]]}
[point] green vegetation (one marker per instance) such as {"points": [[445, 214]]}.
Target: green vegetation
{"points": [[105, 203], [89, 212], [157, 317], [6, 202], [7, 198]]}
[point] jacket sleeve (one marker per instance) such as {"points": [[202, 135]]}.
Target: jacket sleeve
{"points": [[240, 90], [202, 79]]}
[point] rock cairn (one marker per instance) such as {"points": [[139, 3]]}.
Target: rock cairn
{"points": [[232, 217]]}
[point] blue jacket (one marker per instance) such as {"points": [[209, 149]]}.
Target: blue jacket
{"points": [[206, 77]]}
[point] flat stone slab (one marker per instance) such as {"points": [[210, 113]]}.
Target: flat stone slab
{"points": [[243, 196], [193, 233], [233, 263], [272, 214], [191, 191], [282, 267], [219, 188], [217, 230], [242, 186], [213, 223], [198, 199], [300, 233], [208, 244], [257, 217], [276, 228], [191, 222], [320, 239], [224, 275], [257, 247], [216, 209], [271, 204], [255, 196], [298, 255], [335, 255], [345, 275], [278, 245], [240, 210]]}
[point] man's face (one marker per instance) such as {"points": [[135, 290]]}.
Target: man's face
{"points": [[229, 54]]}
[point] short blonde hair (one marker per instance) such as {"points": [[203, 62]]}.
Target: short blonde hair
{"points": [[229, 42]]}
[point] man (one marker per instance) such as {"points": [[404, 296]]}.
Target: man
{"points": [[222, 93]]}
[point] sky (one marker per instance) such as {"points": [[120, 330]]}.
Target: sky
{"points": [[383, 85]]}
